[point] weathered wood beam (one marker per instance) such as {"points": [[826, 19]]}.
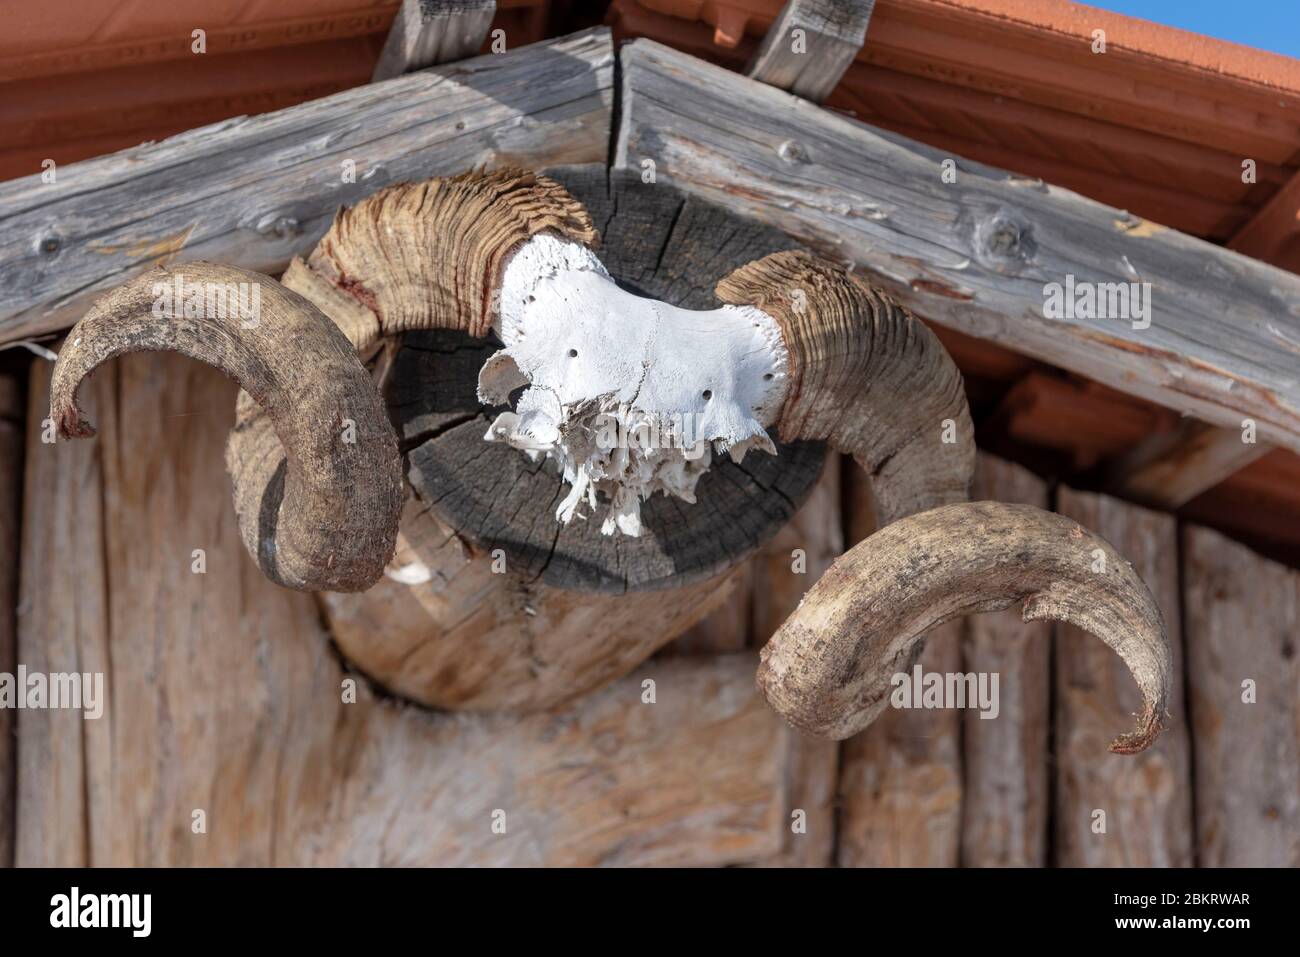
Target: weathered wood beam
{"points": [[256, 191], [811, 44], [1243, 686], [428, 32], [977, 254], [1170, 469]]}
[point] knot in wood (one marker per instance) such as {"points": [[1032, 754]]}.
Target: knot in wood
{"points": [[792, 152], [1003, 241], [279, 225]]}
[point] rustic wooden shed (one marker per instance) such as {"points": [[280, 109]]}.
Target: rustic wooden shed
{"points": [[967, 155]]}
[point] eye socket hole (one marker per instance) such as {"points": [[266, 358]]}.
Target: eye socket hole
{"points": [[573, 353], [767, 376], [708, 394]]}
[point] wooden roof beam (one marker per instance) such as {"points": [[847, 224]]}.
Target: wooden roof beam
{"points": [[1273, 233], [257, 191], [976, 248], [428, 32], [1169, 469], [811, 44]]}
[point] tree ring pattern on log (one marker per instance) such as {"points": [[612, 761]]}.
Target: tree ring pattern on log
{"points": [[658, 243]]}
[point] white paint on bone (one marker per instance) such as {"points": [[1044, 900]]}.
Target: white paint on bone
{"points": [[629, 396]]}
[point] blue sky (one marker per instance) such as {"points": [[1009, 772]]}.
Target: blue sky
{"points": [[1266, 24]]}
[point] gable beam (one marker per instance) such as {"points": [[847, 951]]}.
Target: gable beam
{"points": [[1209, 332]]}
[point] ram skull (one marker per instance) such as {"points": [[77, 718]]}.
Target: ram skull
{"points": [[798, 347]]}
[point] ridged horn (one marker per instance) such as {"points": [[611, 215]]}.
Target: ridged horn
{"points": [[866, 376], [313, 456], [829, 668], [430, 255], [324, 516]]}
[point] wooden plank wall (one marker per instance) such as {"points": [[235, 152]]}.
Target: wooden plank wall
{"points": [[1244, 701], [926, 788], [1145, 798], [226, 699], [12, 411]]}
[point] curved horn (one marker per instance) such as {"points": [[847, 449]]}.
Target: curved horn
{"points": [[868, 377], [313, 457], [871, 379], [430, 255], [326, 516], [829, 668]]}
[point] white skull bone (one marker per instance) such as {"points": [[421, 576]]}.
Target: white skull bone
{"points": [[628, 396]]}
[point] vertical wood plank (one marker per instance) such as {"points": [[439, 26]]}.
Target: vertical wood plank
{"points": [[428, 32], [62, 549], [12, 410], [1243, 622], [1146, 798], [811, 44], [810, 541], [900, 787], [727, 628], [807, 830], [901, 780], [858, 502], [1005, 805], [208, 673], [816, 530]]}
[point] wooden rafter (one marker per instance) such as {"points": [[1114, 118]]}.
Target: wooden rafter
{"points": [[1273, 233], [1170, 469], [811, 44], [428, 32]]}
